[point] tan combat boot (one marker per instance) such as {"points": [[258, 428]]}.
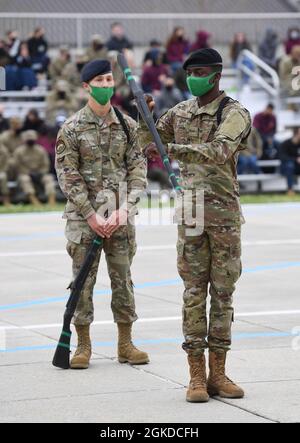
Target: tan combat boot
{"points": [[127, 352], [82, 356], [197, 391], [52, 200], [34, 200], [218, 383]]}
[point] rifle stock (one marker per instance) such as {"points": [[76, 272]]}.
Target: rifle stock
{"points": [[61, 357]]}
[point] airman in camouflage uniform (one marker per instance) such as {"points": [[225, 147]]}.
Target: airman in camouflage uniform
{"points": [[12, 139], [33, 165], [209, 255], [58, 64], [60, 103], [93, 157], [4, 157]]}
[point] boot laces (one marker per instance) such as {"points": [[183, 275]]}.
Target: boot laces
{"points": [[220, 373], [83, 345], [197, 374]]}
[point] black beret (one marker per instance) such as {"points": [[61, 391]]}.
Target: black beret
{"points": [[203, 57], [94, 68]]}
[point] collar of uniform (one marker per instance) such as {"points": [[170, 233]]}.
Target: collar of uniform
{"points": [[91, 117], [211, 108]]}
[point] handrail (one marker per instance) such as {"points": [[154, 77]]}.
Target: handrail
{"points": [[157, 16], [258, 62]]}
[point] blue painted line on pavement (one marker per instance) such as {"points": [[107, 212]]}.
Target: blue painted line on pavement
{"points": [[154, 284], [159, 341], [36, 236]]}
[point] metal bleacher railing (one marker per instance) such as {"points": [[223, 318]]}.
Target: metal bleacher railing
{"points": [[75, 29]]}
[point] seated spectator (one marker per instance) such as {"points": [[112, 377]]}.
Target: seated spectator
{"points": [[290, 158], [4, 165], [169, 97], [72, 70], [26, 76], [267, 50], [33, 167], [178, 48], [4, 55], [265, 122], [155, 47], [202, 41], [37, 47], [287, 73], [4, 123], [293, 39], [97, 49], [47, 139], [12, 139], [181, 84], [118, 40], [154, 74], [13, 43], [247, 162], [57, 65], [239, 43], [60, 103], [33, 121]]}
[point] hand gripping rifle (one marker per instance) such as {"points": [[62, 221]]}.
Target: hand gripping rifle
{"points": [[61, 357], [148, 119], [62, 354]]}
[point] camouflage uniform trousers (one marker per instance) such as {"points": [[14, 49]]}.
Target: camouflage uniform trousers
{"points": [[3, 184], [119, 251], [213, 259], [27, 185]]}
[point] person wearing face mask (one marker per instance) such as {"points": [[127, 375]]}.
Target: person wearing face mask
{"points": [[169, 96], [177, 48], [72, 71], [58, 64], [11, 140], [293, 39], [154, 74], [288, 72], [97, 49], [209, 131], [33, 167], [60, 102], [97, 157]]}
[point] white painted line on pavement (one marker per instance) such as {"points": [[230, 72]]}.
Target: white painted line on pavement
{"points": [[154, 319], [149, 248]]}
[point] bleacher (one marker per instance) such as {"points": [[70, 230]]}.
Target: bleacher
{"points": [[62, 29]]}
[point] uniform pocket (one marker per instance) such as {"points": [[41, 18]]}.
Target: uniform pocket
{"points": [[73, 232]]}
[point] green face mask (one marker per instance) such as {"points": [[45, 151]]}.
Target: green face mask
{"points": [[199, 86], [102, 95]]}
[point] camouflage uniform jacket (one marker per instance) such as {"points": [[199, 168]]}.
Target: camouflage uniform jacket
{"points": [[207, 153], [92, 156], [10, 140], [31, 159], [4, 157]]}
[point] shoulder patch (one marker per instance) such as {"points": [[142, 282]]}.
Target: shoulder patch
{"points": [[60, 146]]}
